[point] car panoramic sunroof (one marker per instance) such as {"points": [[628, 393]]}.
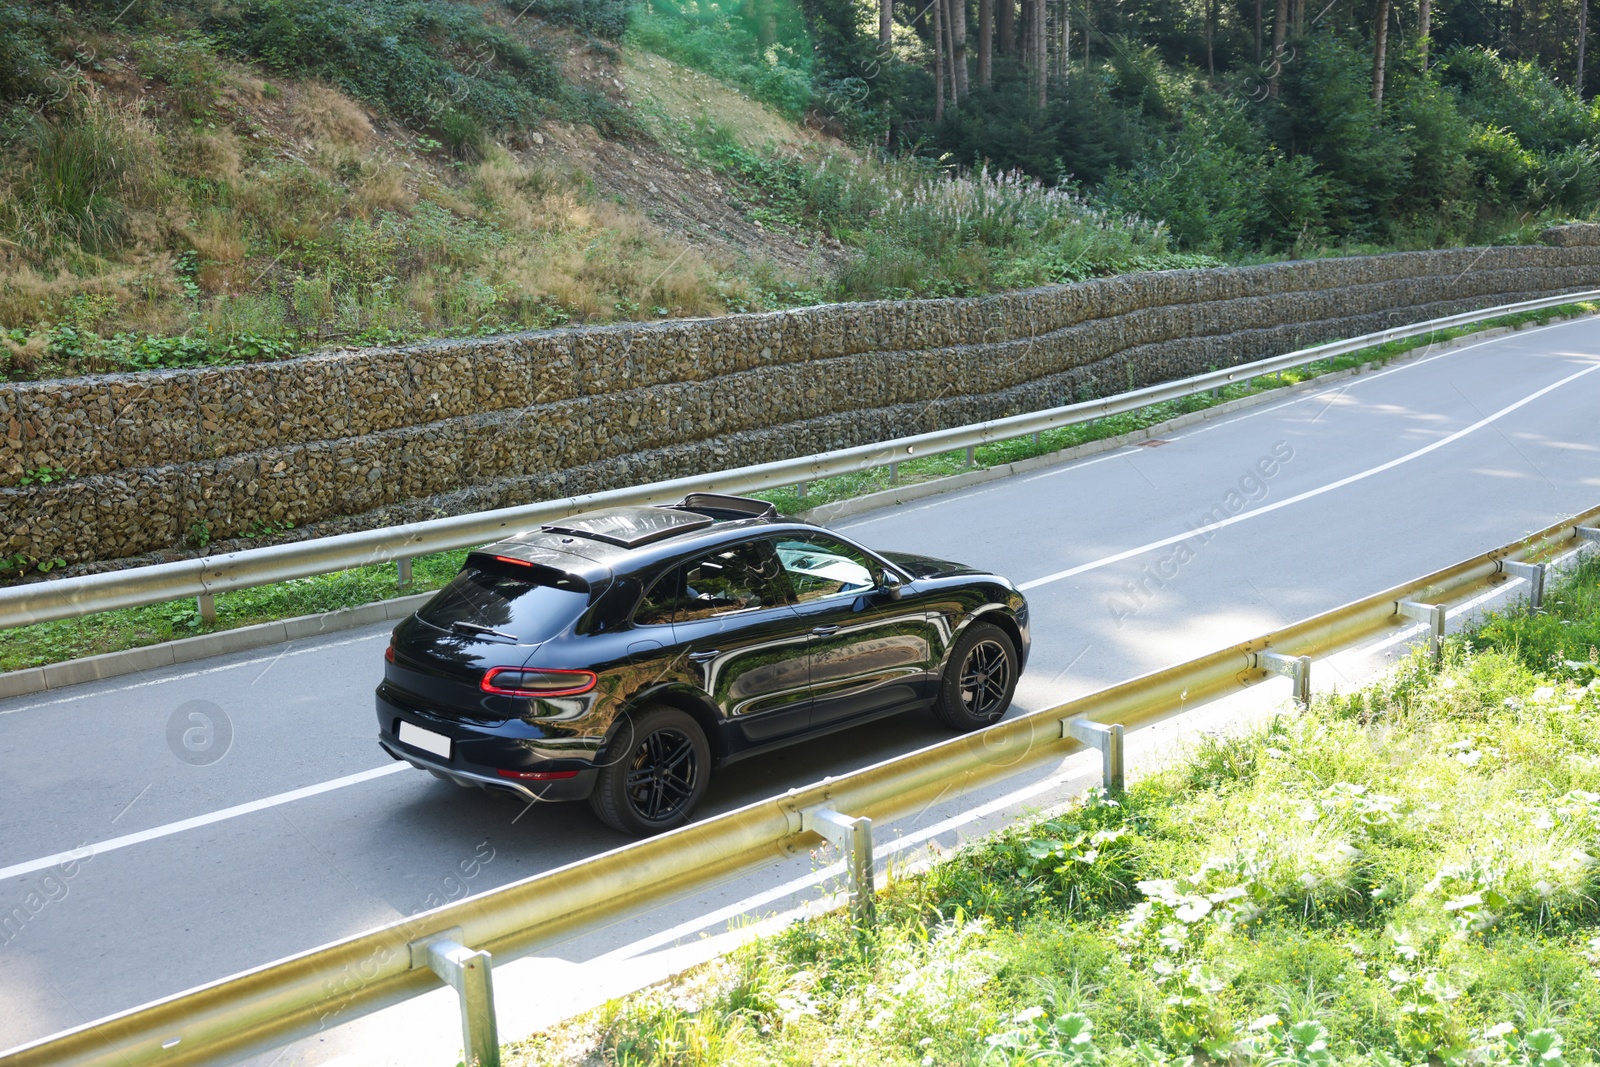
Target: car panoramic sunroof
{"points": [[630, 527]]}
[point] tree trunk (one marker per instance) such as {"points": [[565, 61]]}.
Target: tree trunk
{"points": [[1005, 27], [1211, 32], [1025, 32], [938, 61], [766, 17], [1280, 34], [885, 26], [1258, 33], [949, 49], [1066, 40], [985, 43], [1041, 50], [1583, 41], [1297, 18], [958, 44], [1425, 27], [1380, 45]]}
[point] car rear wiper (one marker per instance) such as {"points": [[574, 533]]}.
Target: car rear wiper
{"points": [[462, 625]]}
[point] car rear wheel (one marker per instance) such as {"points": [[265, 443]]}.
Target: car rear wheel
{"points": [[979, 679], [656, 769]]}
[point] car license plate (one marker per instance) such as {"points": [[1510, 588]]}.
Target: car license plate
{"points": [[427, 740]]}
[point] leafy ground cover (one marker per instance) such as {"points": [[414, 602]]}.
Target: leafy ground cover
{"points": [[32, 646], [1405, 874]]}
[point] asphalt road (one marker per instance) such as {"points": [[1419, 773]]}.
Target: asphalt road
{"points": [[295, 829]]}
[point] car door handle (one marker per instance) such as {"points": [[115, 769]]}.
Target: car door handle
{"points": [[824, 631], [701, 657]]}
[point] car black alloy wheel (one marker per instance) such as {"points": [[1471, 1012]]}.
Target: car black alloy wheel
{"points": [[986, 679], [662, 775], [653, 772], [979, 678]]}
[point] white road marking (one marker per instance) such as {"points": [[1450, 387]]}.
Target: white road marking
{"points": [[86, 851], [80, 694], [1308, 494]]}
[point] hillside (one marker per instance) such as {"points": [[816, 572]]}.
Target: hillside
{"points": [[176, 195], [173, 202]]}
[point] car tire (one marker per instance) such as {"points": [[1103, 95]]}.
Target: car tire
{"points": [[979, 679], [655, 770]]}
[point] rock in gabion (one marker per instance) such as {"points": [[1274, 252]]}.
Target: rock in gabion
{"points": [[172, 463], [1572, 235]]}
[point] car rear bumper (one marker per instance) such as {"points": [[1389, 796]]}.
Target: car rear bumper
{"points": [[577, 787], [478, 753]]}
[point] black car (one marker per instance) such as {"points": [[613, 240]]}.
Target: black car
{"points": [[620, 655]]}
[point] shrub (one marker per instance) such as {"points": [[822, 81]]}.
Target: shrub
{"points": [[84, 169], [26, 68], [189, 68], [425, 62]]}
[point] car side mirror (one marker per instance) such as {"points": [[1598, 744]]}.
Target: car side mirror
{"points": [[889, 585]]}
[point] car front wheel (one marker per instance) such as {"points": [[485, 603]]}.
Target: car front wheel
{"points": [[656, 770], [979, 679]]}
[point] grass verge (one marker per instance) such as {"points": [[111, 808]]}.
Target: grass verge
{"points": [[1405, 874], [111, 631]]}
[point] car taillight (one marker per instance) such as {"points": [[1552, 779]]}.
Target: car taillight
{"points": [[537, 776], [388, 653], [529, 682]]}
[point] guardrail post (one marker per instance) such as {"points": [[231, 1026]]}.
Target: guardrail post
{"points": [[402, 569], [853, 837], [1295, 668], [1108, 739], [1430, 614], [1036, 439], [800, 490], [894, 474], [467, 972], [972, 454], [208, 608], [1534, 573]]}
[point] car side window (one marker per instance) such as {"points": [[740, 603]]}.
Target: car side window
{"points": [[735, 578], [661, 602], [821, 567]]}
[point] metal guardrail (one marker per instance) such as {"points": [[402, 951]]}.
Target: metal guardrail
{"points": [[295, 997], [67, 598]]}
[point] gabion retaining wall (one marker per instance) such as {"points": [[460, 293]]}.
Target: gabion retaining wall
{"points": [[360, 439]]}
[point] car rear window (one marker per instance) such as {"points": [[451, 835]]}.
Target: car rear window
{"points": [[531, 604]]}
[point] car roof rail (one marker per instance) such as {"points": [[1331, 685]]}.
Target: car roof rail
{"points": [[743, 506]]}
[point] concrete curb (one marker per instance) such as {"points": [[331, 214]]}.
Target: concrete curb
{"points": [[188, 649]]}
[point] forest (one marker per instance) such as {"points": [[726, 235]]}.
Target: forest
{"points": [[1245, 127]]}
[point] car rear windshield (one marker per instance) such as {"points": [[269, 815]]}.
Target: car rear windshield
{"points": [[530, 604]]}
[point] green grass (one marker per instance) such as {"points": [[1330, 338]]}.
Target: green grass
{"points": [[1400, 875], [32, 646], [112, 631]]}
